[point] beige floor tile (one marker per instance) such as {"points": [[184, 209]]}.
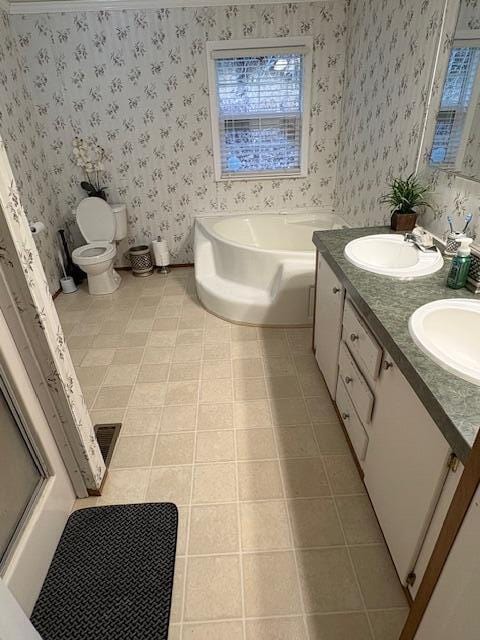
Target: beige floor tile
{"points": [[378, 579], [255, 413], [339, 626], [213, 529], [304, 478], [112, 397], [113, 327], [217, 335], [139, 325], [133, 340], [273, 347], [173, 449], [144, 311], [192, 321], [229, 630], [216, 390], [327, 581], [178, 589], [264, 526], [215, 416], [213, 589], [343, 475], [115, 414], [289, 411], [127, 356], [182, 534], [296, 442], [187, 353], [189, 336], [133, 451], [89, 395], [358, 520], [108, 341], [239, 333], [255, 444], [248, 368], [148, 394], [174, 631], [315, 523], [86, 329], [270, 584], [182, 371], [141, 421], [91, 376], [291, 628], [153, 373], [249, 388], [120, 374], [283, 387], [214, 369], [170, 484], [162, 339], [82, 342], [215, 446], [124, 486], [158, 355], [279, 366], [98, 357], [247, 349], [305, 364], [321, 409], [216, 351], [259, 480], [387, 625], [271, 333], [330, 437], [165, 324], [184, 392], [312, 384], [214, 483], [178, 418]]}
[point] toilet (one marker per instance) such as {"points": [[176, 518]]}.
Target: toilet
{"points": [[102, 225]]}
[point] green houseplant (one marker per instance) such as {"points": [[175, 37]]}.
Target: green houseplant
{"points": [[404, 196]]}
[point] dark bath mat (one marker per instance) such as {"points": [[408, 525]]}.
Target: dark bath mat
{"points": [[111, 577]]}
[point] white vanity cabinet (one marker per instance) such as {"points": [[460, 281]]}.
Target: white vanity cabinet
{"points": [[329, 301], [405, 466]]}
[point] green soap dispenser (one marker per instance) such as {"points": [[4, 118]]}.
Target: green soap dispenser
{"points": [[457, 277]]}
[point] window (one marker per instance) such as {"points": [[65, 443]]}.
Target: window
{"points": [[260, 106], [457, 104]]}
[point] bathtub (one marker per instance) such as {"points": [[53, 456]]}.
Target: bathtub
{"points": [[259, 269]]}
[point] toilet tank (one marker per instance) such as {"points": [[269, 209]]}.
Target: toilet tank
{"points": [[120, 213]]}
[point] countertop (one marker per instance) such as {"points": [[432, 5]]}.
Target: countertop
{"points": [[386, 304]]}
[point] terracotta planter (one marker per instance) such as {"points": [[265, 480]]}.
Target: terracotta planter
{"points": [[403, 221]]}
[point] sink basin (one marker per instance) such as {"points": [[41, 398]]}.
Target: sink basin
{"points": [[389, 255], [448, 332]]}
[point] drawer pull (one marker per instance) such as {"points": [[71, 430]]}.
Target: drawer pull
{"points": [[387, 365], [348, 379], [345, 416], [353, 337], [336, 290]]}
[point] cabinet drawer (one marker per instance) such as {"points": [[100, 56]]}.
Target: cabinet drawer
{"points": [[361, 342], [355, 384], [354, 427]]}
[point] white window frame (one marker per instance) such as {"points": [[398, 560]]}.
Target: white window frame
{"points": [[270, 44]]}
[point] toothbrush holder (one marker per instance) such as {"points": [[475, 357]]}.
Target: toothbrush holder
{"points": [[452, 243]]}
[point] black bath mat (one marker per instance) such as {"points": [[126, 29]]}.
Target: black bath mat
{"points": [[111, 577]]}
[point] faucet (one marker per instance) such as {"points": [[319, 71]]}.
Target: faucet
{"points": [[421, 239]]}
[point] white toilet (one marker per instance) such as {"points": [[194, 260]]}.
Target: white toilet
{"points": [[102, 225]]}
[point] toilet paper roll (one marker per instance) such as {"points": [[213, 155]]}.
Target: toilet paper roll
{"points": [[161, 253]]}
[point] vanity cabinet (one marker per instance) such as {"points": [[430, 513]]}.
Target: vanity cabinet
{"points": [[329, 299], [405, 466]]}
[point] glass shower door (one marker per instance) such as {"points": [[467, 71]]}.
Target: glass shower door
{"points": [[21, 475]]}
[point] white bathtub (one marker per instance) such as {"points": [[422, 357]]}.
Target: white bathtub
{"points": [[259, 269]]}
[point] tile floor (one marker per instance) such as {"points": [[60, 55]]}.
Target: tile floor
{"points": [[277, 539]]}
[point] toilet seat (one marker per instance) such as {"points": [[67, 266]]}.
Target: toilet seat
{"points": [[94, 252]]}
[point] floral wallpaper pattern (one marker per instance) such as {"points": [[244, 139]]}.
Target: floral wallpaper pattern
{"points": [[136, 82], [21, 266]]}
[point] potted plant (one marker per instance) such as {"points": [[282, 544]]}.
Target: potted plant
{"points": [[404, 196], [90, 157]]}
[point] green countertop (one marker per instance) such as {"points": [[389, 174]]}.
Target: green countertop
{"points": [[386, 305]]}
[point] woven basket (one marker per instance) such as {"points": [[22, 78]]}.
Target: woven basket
{"points": [[141, 260]]}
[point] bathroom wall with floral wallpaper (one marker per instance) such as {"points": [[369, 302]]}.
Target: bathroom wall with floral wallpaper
{"points": [[135, 81], [19, 133], [25, 193], [389, 107]]}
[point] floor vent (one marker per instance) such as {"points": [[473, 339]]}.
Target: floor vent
{"points": [[107, 435]]}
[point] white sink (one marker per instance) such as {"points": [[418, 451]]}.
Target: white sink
{"points": [[448, 331], [390, 255]]}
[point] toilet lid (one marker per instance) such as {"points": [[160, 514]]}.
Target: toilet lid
{"points": [[96, 220]]}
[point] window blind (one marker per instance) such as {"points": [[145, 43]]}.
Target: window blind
{"points": [[456, 97], [260, 109]]}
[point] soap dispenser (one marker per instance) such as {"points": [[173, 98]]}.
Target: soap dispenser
{"points": [[457, 277]]}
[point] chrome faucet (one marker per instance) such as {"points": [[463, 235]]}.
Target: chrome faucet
{"points": [[420, 240]]}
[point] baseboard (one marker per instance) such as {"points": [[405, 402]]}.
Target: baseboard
{"points": [[170, 266]]}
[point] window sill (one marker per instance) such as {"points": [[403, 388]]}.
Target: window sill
{"points": [[261, 176]]}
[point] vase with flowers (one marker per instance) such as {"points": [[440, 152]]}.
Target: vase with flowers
{"points": [[90, 157]]}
